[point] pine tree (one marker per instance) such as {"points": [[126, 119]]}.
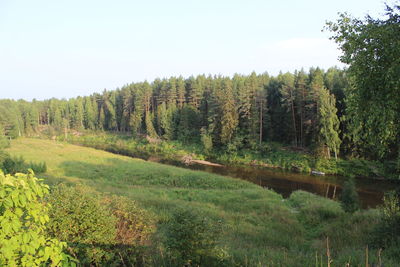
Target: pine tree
{"points": [[329, 122], [229, 118], [89, 114]]}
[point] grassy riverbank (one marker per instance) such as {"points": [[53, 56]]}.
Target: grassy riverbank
{"points": [[268, 155], [258, 227]]}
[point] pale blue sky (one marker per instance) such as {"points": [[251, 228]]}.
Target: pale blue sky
{"points": [[70, 48]]}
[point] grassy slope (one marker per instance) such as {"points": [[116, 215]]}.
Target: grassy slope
{"points": [[273, 155], [259, 227]]}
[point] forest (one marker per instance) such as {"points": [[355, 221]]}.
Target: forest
{"points": [[298, 109], [306, 111], [63, 204]]}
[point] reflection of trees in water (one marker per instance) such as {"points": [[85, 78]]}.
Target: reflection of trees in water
{"points": [[370, 191]]}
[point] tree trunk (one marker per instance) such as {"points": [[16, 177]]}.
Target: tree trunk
{"points": [[261, 120], [294, 119]]}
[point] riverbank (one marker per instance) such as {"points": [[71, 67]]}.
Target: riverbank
{"points": [[270, 155], [258, 226]]}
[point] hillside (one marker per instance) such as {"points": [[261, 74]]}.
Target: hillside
{"points": [[258, 225]]}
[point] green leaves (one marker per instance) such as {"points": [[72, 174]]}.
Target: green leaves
{"points": [[371, 48], [23, 239]]}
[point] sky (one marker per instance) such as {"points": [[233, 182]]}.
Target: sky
{"points": [[69, 48]]}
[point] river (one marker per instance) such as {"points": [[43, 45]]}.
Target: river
{"points": [[370, 190]]}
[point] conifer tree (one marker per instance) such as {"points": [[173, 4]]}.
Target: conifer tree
{"points": [[229, 118], [89, 114], [329, 122]]}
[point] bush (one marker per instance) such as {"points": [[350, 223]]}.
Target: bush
{"points": [[77, 216], [191, 239], [387, 232], [23, 217], [134, 227], [40, 167], [13, 165], [101, 230]]}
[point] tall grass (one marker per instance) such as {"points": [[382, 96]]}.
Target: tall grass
{"points": [[257, 226]]}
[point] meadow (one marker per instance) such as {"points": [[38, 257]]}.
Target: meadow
{"points": [[256, 226], [268, 154]]}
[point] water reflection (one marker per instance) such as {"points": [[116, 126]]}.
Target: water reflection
{"points": [[370, 191]]}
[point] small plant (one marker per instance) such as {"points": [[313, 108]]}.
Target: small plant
{"points": [[191, 238]]}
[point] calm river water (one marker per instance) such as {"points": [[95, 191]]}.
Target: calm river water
{"points": [[370, 191]]}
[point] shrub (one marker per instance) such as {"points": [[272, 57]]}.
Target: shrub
{"points": [[13, 165], [101, 230], [134, 227], [387, 232], [40, 167], [23, 217], [77, 216], [191, 239]]}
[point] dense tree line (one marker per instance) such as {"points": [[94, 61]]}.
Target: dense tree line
{"points": [[301, 109]]}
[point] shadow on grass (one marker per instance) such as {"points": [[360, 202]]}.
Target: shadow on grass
{"points": [[112, 254], [144, 173]]}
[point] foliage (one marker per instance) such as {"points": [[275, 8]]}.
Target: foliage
{"points": [[23, 217], [40, 167], [267, 154], [349, 197], [12, 165], [387, 232], [329, 121], [371, 49], [134, 227], [255, 107], [191, 238], [259, 227], [206, 141], [100, 230], [77, 217], [4, 141]]}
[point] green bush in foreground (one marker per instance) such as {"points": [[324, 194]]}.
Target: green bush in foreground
{"points": [[100, 230], [77, 217], [191, 239], [23, 218], [387, 232]]}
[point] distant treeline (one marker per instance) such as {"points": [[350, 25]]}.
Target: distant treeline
{"points": [[301, 109]]}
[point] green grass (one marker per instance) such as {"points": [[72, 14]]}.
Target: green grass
{"points": [[269, 154], [260, 228]]}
